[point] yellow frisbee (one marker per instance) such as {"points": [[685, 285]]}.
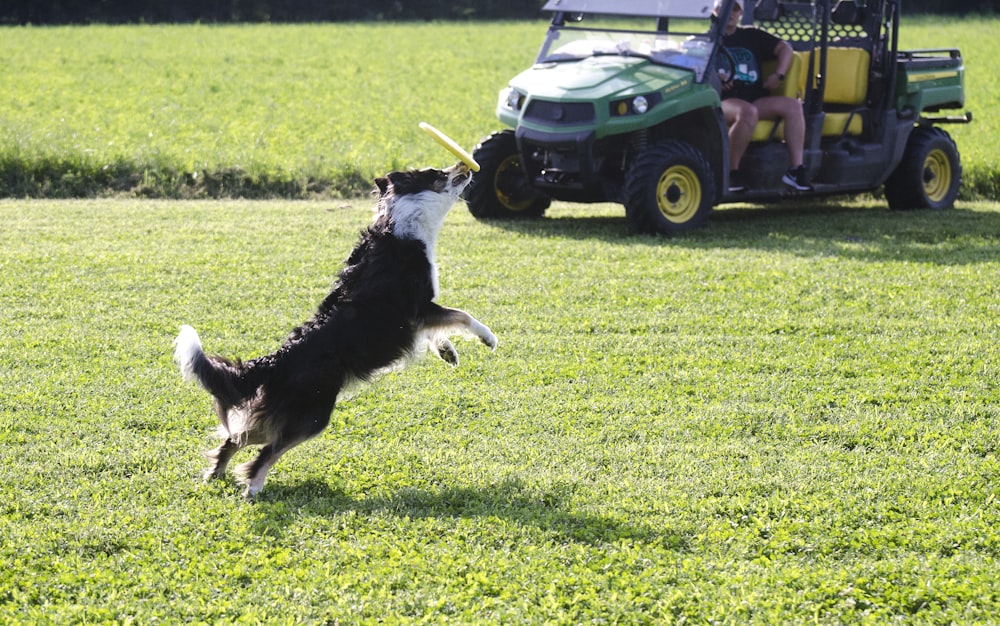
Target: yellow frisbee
{"points": [[450, 145]]}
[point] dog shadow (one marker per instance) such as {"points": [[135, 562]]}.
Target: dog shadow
{"points": [[280, 506]]}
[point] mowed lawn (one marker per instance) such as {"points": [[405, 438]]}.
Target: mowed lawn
{"points": [[790, 416]]}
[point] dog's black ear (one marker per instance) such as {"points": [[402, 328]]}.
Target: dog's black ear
{"points": [[381, 186], [402, 182]]}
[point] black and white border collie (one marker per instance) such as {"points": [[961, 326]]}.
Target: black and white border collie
{"points": [[380, 313]]}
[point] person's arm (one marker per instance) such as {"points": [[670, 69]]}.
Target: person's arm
{"points": [[784, 53]]}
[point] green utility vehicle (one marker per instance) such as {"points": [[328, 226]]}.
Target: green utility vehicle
{"points": [[622, 105]]}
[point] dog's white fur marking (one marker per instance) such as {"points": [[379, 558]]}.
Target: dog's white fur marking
{"points": [[237, 425], [187, 349], [413, 220], [421, 215]]}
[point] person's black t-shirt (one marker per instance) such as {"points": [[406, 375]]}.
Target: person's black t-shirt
{"points": [[750, 47]]}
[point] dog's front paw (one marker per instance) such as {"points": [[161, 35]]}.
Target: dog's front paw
{"points": [[447, 352], [488, 338]]}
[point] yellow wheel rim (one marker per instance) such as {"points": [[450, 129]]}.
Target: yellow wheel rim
{"points": [[678, 194], [937, 175], [509, 167]]}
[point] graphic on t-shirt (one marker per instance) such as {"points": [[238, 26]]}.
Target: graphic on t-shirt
{"points": [[746, 65]]}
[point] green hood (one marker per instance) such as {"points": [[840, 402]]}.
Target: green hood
{"points": [[599, 78]]}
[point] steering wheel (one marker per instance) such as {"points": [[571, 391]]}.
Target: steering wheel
{"points": [[726, 75]]}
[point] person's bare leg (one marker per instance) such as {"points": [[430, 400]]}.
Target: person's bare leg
{"points": [[741, 116], [789, 110]]}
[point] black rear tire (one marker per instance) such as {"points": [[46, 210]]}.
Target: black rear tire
{"points": [[929, 175], [669, 188], [501, 189]]}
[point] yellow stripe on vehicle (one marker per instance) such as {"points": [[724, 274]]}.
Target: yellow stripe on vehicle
{"points": [[919, 78]]}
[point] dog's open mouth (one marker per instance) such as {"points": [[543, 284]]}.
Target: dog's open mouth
{"points": [[462, 176]]}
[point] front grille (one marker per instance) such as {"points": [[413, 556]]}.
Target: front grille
{"points": [[560, 112]]}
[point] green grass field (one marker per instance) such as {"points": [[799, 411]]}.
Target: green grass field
{"points": [[307, 110], [791, 416]]}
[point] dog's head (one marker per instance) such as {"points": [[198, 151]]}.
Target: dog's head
{"points": [[410, 182], [415, 202]]}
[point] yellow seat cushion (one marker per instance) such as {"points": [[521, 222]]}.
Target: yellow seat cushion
{"points": [[762, 131], [846, 85], [846, 75]]}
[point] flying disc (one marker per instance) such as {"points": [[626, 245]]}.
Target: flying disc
{"points": [[450, 145]]}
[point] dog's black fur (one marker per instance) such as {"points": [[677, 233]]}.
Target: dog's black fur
{"points": [[380, 313]]}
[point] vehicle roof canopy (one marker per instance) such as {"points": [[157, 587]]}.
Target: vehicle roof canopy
{"points": [[649, 8]]}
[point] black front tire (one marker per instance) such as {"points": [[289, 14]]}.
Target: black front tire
{"points": [[501, 188], [929, 175], [669, 188]]}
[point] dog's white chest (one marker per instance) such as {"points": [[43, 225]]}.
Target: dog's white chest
{"points": [[422, 221]]}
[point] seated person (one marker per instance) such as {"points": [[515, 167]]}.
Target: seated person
{"points": [[746, 97]]}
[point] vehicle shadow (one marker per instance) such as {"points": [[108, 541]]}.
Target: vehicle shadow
{"points": [[871, 233], [282, 505]]}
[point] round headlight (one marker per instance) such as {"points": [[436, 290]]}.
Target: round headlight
{"points": [[513, 99], [640, 105]]}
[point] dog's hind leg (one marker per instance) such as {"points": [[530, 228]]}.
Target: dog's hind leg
{"points": [[233, 443], [253, 473], [219, 459]]}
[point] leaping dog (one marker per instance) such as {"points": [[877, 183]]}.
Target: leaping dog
{"points": [[380, 314]]}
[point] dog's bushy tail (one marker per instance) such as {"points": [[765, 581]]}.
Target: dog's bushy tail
{"points": [[231, 383]]}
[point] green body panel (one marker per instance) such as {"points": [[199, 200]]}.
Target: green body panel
{"points": [[928, 81], [602, 81]]}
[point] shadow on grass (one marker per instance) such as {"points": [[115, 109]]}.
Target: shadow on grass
{"points": [[281, 505], [871, 233]]}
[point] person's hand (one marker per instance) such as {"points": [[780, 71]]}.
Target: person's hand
{"points": [[727, 80], [773, 82]]}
